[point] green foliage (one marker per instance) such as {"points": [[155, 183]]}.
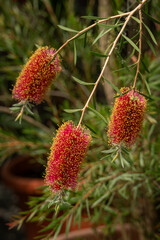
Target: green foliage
{"points": [[114, 181]]}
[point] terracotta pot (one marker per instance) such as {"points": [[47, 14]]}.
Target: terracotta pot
{"points": [[127, 232], [18, 174], [84, 234], [21, 175]]}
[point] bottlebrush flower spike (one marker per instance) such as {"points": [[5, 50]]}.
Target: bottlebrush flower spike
{"points": [[67, 153], [36, 76], [127, 117]]}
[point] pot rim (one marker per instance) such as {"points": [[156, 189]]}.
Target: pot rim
{"points": [[19, 183]]}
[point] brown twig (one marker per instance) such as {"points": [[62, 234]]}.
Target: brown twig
{"points": [[87, 29]]}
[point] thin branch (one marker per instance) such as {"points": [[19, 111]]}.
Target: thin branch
{"points": [[28, 119], [86, 29], [108, 57], [140, 49]]}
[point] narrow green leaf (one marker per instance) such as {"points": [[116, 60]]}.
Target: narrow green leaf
{"points": [[99, 36], [146, 96], [147, 86], [68, 225], [113, 86], [149, 16], [150, 33], [124, 68], [105, 157], [31, 215], [131, 42], [136, 19], [105, 196], [72, 110], [144, 65], [67, 29], [151, 46], [77, 217], [85, 39], [18, 104], [121, 159], [122, 94], [15, 109], [57, 231], [98, 54], [28, 110], [82, 82], [75, 52], [87, 207], [109, 150], [109, 26], [98, 114], [92, 17], [109, 209]]}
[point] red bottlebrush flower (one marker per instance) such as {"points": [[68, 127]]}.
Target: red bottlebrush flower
{"points": [[36, 76], [67, 153], [127, 117]]}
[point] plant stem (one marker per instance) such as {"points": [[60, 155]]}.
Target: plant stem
{"points": [[85, 30], [140, 49], [108, 57]]}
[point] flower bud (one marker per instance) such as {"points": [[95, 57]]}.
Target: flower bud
{"points": [[37, 76], [127, 118], [67, 152]]}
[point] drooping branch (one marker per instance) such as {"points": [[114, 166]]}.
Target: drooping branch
{"points": [[130, 14]]}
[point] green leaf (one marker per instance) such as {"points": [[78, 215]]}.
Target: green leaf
{"points": [[131, 42], [98, 114], [15, 109], [28, 110], [151, 46], [77, 217], [150, 33], [145, 95], [98, 54], [18, 104], [113, 86], [124, 68], [57, 231], [110, 150], [105, 196], [82, 82], [144, 65], [147, 86], [67, 29], [72, 110], [101, 34], [122, 94], [75, 52], [136, 19], [109, 209], [68, 225], [85, 39], [123, 161], [109, 26], [92, 17], [149, 16], [87, 207]]}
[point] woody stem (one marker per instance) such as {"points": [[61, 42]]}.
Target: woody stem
{"points": [[108, 57]]}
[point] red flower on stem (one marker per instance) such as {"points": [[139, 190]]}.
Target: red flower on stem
{"points": [[68, 150], [127, 118], [37, 76]]}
